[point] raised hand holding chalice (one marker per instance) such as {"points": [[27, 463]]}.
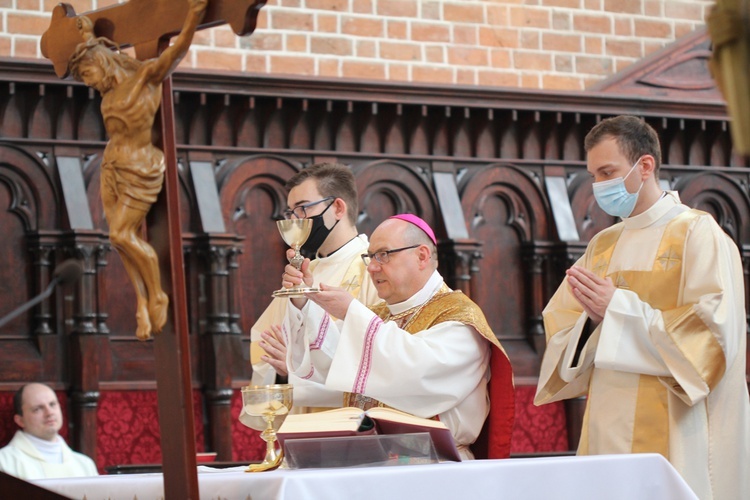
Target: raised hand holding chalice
{"points": [[295, 232]]}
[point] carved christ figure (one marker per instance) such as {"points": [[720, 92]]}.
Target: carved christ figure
{"points": [[132, 170]]}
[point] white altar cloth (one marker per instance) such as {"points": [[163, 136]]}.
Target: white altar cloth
{"points": [[611, 477]]}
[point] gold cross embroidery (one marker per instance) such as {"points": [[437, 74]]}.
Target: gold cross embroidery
{"points": [[621, 283], [350, 284], [600, 267], [669, 259]]}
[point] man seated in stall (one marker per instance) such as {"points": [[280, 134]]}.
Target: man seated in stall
{"points": [[37, 451]]}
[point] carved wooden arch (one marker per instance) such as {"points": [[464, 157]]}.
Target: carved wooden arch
{"points": [[86, 115], [675, 151], [485, 132], [63, 112], [721, 196], [699, 147], [252, 197], [514, 184], [532, 146], [417, 122], [394, 132], [28, 201], [369, 129], [510, 140], [237, 177], [11, 126], [34, 195], [462, 140], [505, 209], [438, 130], [41, 102], [389, 187], [721, 150], [571, 140]]}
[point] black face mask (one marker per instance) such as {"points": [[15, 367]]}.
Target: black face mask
{"points": [[318, 235]]}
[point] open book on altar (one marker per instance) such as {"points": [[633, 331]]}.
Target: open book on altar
{"points": [[351, 421]]}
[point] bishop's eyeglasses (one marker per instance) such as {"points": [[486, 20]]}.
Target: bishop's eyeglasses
{"points": [[383, 256], [300, 211]]}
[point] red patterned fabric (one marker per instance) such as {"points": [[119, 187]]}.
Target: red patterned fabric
{"points": [[538, 428], [128, 428], [247, 444], [7, 425]]}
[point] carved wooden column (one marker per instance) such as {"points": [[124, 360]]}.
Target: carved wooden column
{"points": [[42, 248], [235, 308], [88, 348], [100, 253], [458, 263], [221, 344], [534, 261]]}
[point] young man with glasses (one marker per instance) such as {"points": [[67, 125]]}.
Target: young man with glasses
{"points": [[425, 350], [327, 194]]}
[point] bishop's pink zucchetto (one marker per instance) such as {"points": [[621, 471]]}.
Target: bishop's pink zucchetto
{"points": [[413, 219]]}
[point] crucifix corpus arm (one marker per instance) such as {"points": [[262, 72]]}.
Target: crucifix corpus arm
{"points": [[172, 55]]}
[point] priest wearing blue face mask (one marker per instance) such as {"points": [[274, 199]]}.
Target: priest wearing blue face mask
{"points": [[650, 324]]}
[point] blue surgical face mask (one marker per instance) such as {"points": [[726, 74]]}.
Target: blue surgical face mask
{"points": [[613, 198]]}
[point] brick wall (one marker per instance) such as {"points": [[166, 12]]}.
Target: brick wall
{"points": [[551, 44]]}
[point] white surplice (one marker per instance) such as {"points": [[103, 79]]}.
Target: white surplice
{"points": [[344, 268], [20, 458], [665, 370], [440, 371]]}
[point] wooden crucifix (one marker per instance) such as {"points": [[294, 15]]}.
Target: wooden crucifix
{"points": [[134, 169]]}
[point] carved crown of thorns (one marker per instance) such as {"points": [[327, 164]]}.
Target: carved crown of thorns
{"points": [[90, 41]]}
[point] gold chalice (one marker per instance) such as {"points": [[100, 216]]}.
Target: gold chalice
{"points": [[295, 233], [264, 408]]}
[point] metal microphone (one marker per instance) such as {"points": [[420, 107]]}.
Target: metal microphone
{"points": [[67, 272]]}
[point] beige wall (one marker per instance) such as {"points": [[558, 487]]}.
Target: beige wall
{"points": [[551, 44]]}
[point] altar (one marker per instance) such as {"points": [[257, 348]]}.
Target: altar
{"points": [[614, 477]]}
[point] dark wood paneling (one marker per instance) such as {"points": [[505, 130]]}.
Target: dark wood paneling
{"points": [[257, 131]]}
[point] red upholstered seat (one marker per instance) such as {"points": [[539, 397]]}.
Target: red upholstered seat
{"points": [[128, 428], [495, 439]]}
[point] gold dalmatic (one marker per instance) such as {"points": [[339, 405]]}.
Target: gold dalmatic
{"points": [[659, 287]]}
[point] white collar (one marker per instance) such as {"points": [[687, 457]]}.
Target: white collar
{"points": [[423, 295], [50, 451], [654, 212]]}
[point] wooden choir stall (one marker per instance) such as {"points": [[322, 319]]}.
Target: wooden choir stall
{"points": [[499, 173]]}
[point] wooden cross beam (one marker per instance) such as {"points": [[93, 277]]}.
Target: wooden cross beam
{"points": [[140, 24], [147, 25]]}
